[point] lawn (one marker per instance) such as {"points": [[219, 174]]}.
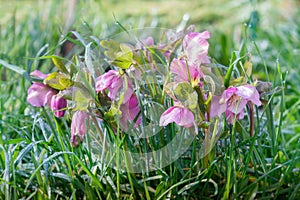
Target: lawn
{"points": [[253, 45]]}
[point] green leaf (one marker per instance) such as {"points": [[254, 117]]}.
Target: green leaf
{"points": [[15, 68], [248, 68], [111, 46], [124, 59], [59, 64], [121, 55], [113, 111], [182, 91], [58, 81], [230, 69], [160, 189], [185, 93], [81, 96], [237, 81]]}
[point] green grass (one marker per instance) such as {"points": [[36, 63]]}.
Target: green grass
{"points": [[37, 160]]}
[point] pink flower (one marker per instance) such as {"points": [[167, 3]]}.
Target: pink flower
{"points": [[196, 47], [180, 115], [79, 126], [233, 101], [57, 105], [39, 94], [130, 110], [114, 83], [182, 71]]}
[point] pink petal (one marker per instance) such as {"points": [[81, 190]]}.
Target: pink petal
{"points": [[114, 83], [149, 41], [180, 68], [217, 107], [39, 94], [130, 110], [181, 116], [230, 116], [237, 106], [57, 105], [79, 125], [228, 93], [172, 114], [249, 92], [106, 80], [196, 47], [38, 74], [187, 118]]}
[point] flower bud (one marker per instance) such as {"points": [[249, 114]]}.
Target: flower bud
{"points": [[57, 105], [79, 125]]}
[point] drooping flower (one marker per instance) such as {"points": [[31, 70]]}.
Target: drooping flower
{"points": [[195, 47], [185, 72], [180, 115], [79, 126], [58, 104], [233, 101], [114, 82], [40, 94], [130, 111]]}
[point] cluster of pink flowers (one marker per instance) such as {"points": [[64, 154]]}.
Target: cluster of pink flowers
{"points": [[186, 71]]}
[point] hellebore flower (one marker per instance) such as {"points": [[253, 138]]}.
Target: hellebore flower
{"points": [[79, 126], [113, 81], [130, 110], [233, 101], [57, 104], [40, 94], [196, 47], [182, 71], [180, 115]]}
